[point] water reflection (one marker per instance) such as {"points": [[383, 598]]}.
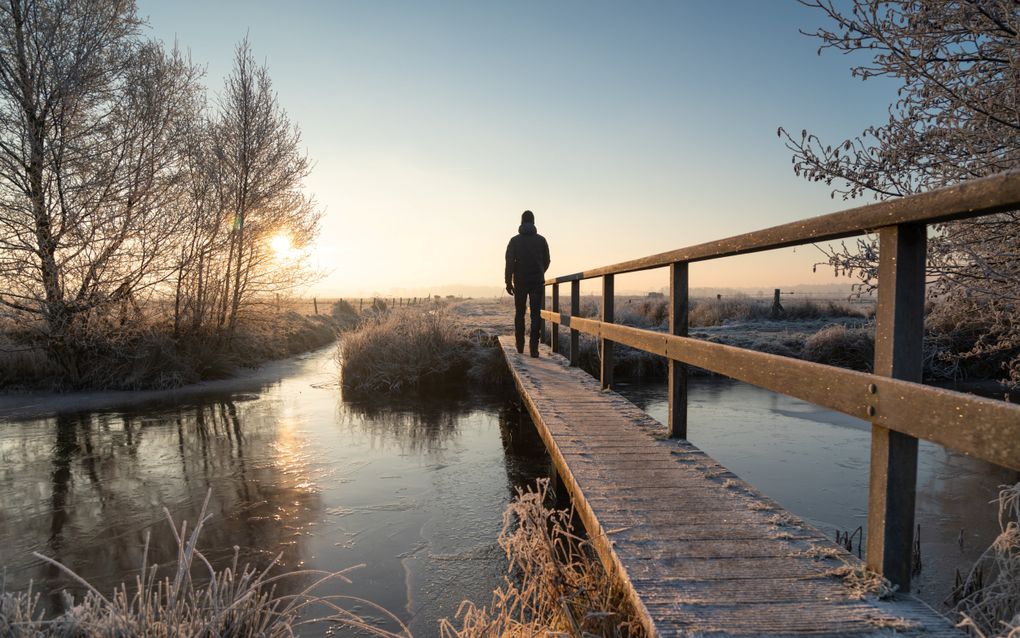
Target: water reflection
{"points": [[422, 427], [86, 488], [414, 490]]}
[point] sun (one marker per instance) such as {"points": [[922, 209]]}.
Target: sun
{"points": [[282, 246]]}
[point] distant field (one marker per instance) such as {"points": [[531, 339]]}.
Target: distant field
{"points": [[309, 305]]}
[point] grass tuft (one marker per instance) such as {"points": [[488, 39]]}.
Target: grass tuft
{"points": [[862, 583], [413, 349]]}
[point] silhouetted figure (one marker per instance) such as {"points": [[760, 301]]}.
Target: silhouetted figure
{"points": [[527, 259]]}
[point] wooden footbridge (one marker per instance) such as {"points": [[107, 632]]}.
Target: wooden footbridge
{"points": [[702, 552]]}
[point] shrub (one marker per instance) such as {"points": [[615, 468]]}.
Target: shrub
{"points": [[345, 315], [839, 345], [961, 343], [716, 312], [643, 313], [24, 364]]}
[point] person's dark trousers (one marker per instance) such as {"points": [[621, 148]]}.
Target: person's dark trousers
{"points": [[522, 295]]}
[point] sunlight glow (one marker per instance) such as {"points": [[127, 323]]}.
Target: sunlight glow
{"points": [[282, 247]]}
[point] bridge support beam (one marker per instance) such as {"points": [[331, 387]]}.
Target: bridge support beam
{"points": [[606, 347], [575, 310], [678, 305], [899, 336]]}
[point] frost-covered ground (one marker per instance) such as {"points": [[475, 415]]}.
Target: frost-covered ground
{"points": [[785, 337]]}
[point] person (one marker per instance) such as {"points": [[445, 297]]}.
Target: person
{"points": [[527, 259]]}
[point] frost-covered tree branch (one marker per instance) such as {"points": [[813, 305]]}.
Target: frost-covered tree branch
{"points": [[957, 117]]}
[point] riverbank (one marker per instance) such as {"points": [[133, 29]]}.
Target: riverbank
{"points": [[247, 382], [153, 359]]}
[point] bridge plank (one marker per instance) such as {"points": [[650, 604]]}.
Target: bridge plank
{"points": [[699, 550]]}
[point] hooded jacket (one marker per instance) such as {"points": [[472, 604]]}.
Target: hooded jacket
{"points": [[527, 258]]}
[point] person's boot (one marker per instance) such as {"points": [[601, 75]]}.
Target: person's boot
{"points": [[520, 347], [534, 350]]}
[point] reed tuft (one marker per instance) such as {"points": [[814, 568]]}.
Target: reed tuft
{"points": [[555, 583]]}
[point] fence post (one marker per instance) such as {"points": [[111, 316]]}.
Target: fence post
{"points": [[315, 304], [556, 326], [606, 350], [361, 304], [777, 305], [678, 305], [899, 338], [575, 309]]}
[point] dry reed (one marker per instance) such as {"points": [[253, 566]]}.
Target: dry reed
{"points": [[992, 609], [236, 601], [838, 345], [414, 348], [555, 583]]}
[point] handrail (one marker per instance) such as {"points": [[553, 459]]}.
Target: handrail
{"points": [[986, 428], [900, 408], [974, 198]]}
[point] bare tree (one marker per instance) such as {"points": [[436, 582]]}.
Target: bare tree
{"points": [[957, 118], [260, 169], [89, 129]]}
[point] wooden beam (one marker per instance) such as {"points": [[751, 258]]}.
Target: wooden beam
{"points": [[678, 306], [899, 336], [575, 310], [555, 343], [606, 347]]}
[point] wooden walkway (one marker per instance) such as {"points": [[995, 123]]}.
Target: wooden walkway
{"points": [[700, 551]]}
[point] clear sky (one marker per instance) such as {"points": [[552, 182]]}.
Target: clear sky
{"points": [[629, 128]]}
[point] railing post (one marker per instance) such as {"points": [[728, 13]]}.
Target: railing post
{"points": [[555, 344], [899, 338], [575, 309], [678, 305], [541, 324], [606, 349]]}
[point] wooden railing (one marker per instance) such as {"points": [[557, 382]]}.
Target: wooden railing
{"points": [[900, 409]]}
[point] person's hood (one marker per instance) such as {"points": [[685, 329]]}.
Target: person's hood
{"points": [[527, 228]]}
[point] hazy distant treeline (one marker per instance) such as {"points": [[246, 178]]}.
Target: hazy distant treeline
{"points": [[127, 196]]}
